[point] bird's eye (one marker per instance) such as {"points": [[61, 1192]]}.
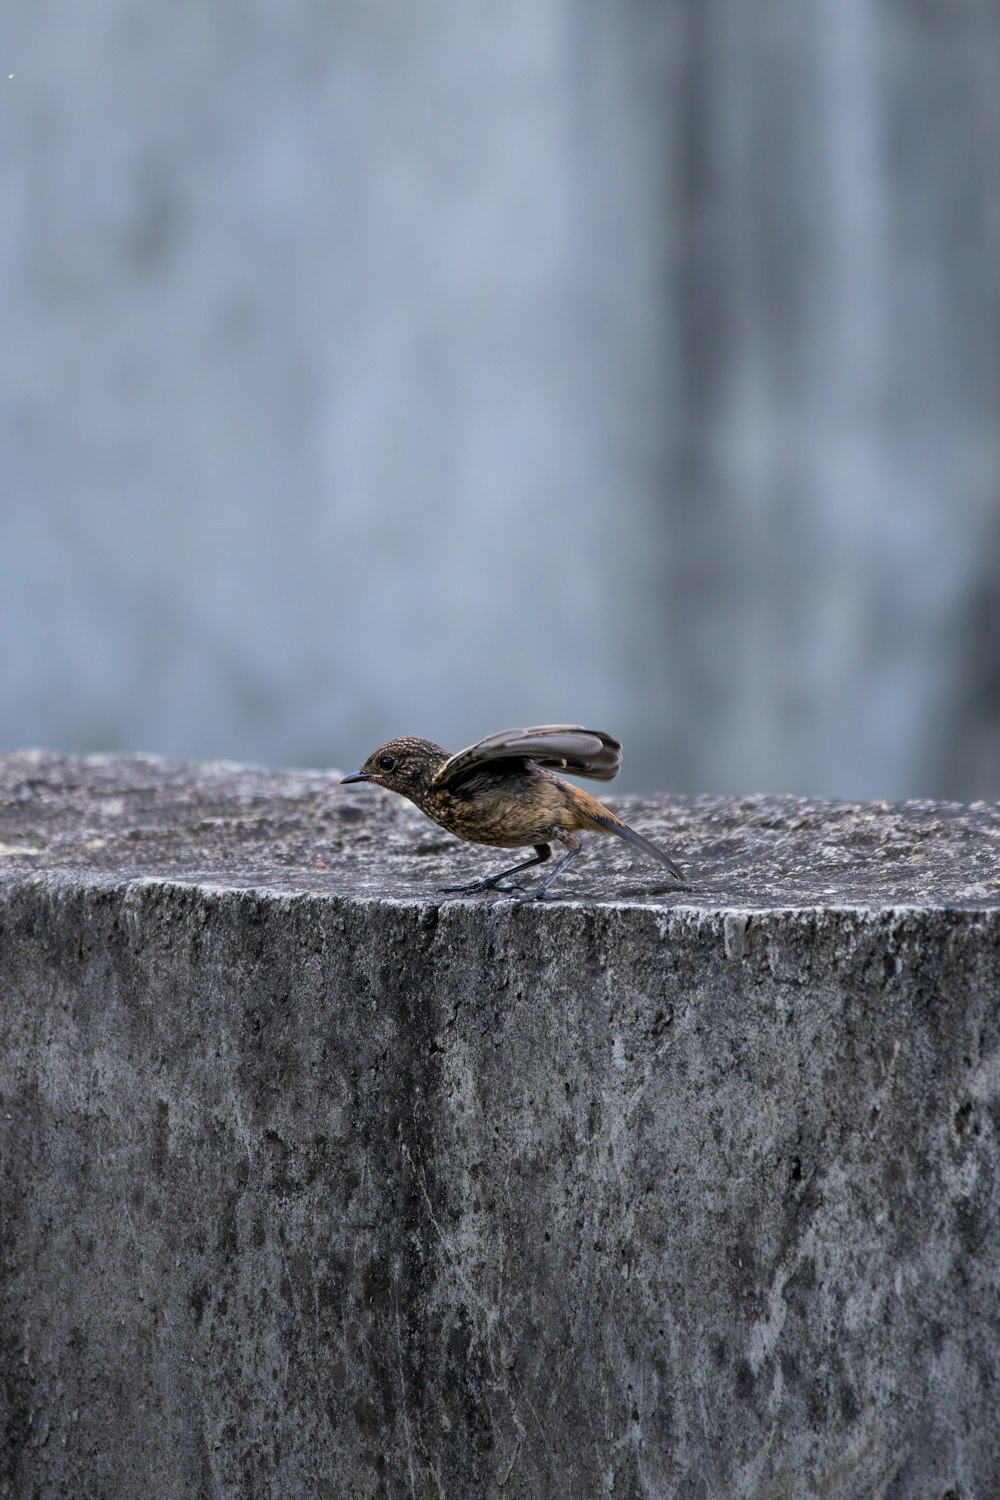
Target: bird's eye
{"points": [[387, 762]]}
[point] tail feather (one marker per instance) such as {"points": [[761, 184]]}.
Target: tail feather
{"points": [[611, 824]]}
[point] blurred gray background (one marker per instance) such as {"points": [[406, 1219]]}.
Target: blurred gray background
{"points": [[386, 368]]}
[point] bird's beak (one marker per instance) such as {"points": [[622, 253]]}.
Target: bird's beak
{"points": [[358, 776]]}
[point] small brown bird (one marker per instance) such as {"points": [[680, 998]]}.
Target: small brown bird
{"points": [[501, 792]]}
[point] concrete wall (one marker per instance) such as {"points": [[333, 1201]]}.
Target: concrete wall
{"points": [[315, 1184]]}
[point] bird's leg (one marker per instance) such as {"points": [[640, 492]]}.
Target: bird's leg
{"points": [[541, 854], [537, 893]]}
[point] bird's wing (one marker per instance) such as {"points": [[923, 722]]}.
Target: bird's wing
{"points": [[562, 747]]}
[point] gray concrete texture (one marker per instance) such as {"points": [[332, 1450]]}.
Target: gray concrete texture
{"points": [[316, 1183], [657, 343]]}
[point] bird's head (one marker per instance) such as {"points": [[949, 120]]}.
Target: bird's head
{"points": [[405, 766]]}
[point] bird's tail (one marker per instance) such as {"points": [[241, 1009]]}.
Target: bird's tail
{"points": [[593, 814], [612, 824]]}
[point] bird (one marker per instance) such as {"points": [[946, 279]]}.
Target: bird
{"points": [[502, 791]]}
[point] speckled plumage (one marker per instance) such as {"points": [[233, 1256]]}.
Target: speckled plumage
{"points": [[500, 792]]}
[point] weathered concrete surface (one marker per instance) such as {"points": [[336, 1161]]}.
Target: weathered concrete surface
{"points": [[316, 1184]]}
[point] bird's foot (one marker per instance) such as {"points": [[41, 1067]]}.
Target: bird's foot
{"points": [[532, 894], [489, 884]]}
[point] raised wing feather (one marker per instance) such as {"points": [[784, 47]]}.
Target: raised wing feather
{"points": [[559, 747]]}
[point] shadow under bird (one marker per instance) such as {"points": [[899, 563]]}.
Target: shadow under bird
{"points": [[502, 791]]}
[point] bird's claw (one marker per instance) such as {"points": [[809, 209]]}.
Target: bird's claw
{"points": [[482, 885], [526, 896]]}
